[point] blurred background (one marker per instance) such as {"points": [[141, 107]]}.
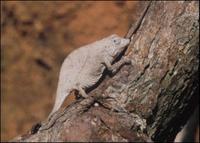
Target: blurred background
{"points": [[35, 39]]}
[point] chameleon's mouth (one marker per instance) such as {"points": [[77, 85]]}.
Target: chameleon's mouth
{"points": [[123, 46]]}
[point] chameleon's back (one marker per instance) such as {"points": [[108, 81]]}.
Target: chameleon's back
{"points": [[70, 74]]}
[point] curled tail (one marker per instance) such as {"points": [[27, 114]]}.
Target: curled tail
{"points": [[60, 98]]}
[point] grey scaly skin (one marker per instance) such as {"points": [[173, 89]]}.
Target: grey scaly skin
{"points": [[84, 67]]}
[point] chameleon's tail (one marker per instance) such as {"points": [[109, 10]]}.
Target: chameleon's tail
{"points": [[60, 97]]}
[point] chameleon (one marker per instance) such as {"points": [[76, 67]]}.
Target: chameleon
{"points": [[84, 67]]}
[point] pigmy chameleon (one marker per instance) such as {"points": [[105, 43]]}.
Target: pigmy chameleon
{"points": [[84, 67]]}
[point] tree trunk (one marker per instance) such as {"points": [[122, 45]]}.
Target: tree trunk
{"points": [[148, 100]]}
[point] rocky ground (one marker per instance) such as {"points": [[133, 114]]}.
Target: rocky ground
{"points": [[36, 37]]}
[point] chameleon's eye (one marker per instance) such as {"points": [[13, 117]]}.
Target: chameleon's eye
{"points": [[117, 41]]}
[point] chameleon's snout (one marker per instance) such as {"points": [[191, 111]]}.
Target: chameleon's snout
{"points": [[126, 42]]}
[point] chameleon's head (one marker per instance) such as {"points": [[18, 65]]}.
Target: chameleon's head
{"points": [[115, 45]]}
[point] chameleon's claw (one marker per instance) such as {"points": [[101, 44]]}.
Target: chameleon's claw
{"points": [[127, 60]]}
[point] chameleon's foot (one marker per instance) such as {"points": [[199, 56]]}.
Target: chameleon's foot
{"points": [[82, 92], [126, 60]]}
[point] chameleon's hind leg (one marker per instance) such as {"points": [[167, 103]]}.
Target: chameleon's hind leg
{"points": [[82, 91]]}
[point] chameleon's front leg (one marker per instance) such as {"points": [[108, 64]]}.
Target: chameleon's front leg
{"points": [[115, 67]]}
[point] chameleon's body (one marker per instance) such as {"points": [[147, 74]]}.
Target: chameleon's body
{"points": [[84, 67]]}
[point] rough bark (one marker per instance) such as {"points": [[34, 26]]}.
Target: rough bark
{"points": [[150, 99]]}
